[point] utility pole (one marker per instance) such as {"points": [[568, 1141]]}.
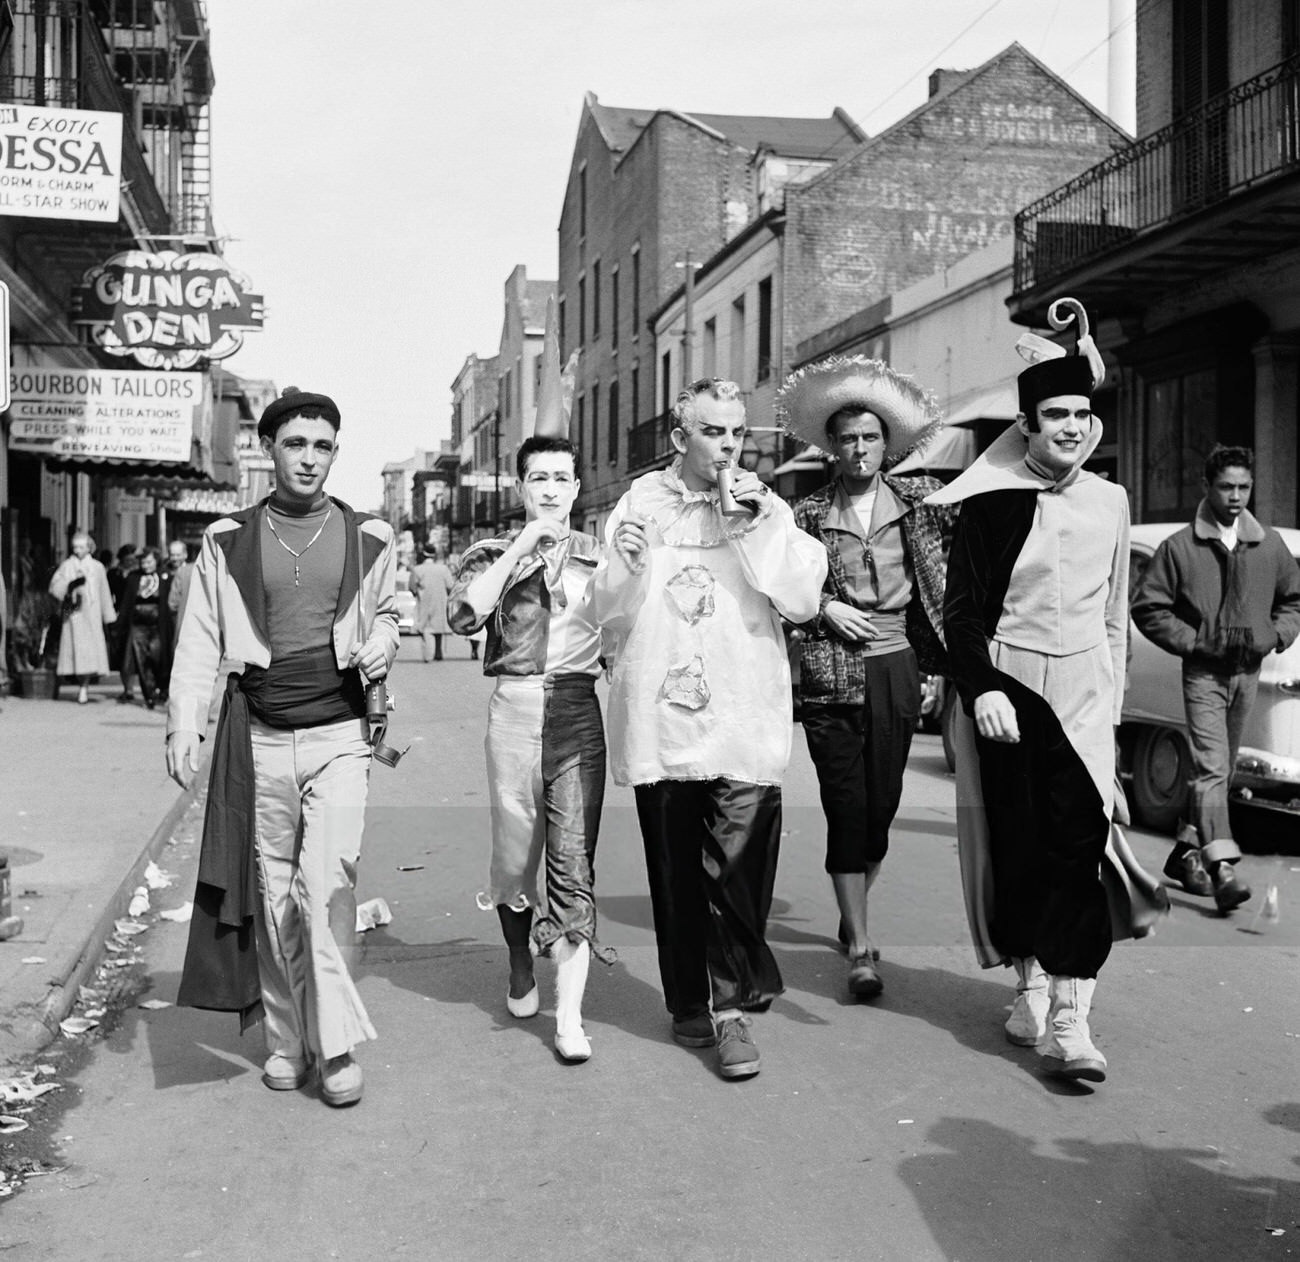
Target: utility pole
{"points": [[496, 471], [688, 368]]}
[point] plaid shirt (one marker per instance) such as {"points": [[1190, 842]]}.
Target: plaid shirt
{"points": [[831, 669]]}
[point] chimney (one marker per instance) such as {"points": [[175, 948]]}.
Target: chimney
{"points": [[941, 79]]}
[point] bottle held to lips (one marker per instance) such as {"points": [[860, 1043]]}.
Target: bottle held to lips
{"points": [[729, 506]]}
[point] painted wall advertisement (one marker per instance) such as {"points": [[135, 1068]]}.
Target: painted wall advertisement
{"points": [[60, 164], [96, 414]]}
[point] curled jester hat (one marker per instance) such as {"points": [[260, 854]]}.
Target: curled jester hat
{"points": [[1052, 371]]}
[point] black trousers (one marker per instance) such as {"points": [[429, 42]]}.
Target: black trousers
{"points": [[860, 752], [711, 849]]}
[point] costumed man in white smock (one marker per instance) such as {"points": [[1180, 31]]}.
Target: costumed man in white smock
{"points": [[691, 600]]}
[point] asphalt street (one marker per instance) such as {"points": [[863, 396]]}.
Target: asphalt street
{"points": [[902, 1129]]}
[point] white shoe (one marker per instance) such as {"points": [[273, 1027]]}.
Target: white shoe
{"points": [[284, 1073], [528, 1006], [340, 1081], [1067, 1048], [1028, 1020], [572, 960]]}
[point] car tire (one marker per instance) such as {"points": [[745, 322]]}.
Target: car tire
{"points": [[1162, 765], [948, 727]]}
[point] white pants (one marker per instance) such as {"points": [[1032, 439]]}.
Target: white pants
{"points": [[311, 802]]}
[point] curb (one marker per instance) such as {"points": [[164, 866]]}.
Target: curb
{"points": [[42, 1020]]}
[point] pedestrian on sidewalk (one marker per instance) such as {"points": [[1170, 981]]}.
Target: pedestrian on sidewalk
{"points": [[146, 623], [1222, 594], [880, 619], [176, 581], [301, 589], [81, 584], [431, 582], [691, 601], [1036, 624]]}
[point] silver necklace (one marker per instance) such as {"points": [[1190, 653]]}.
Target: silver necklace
{"points": [[297, 573]]}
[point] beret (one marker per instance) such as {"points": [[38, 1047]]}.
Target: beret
{"points": [[292, 401]]}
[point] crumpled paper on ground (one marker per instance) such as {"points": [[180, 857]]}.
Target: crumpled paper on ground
{"points": [[373, 913]]}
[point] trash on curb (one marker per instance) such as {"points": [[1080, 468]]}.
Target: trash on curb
{"points": [[128, 928], [180, 915], [410, 867], [156, 879], [33, 959], [139, 901], [153, 1005], [11, 1125], [373, 913], [72, 1026], [24, 1088]]}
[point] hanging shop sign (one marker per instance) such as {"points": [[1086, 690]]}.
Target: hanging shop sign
{"points": [[60, 164], [168, 310], [94, 414]]}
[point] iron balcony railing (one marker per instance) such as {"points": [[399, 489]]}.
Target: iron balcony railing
{"points": [[1240, 138], [648, 443]]}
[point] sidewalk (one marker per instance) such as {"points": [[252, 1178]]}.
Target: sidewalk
{"points": [[85, 802]]}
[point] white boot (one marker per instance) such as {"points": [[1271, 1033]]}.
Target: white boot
{"points": [[571, 962], [1067, 1049], [1028, 1020]]}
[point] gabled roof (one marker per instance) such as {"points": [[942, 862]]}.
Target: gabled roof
{"points": [[834, 136]]}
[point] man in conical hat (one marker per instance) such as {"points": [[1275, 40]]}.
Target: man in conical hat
{"points": [[545, 743], [1036, 623], [879, 620]]}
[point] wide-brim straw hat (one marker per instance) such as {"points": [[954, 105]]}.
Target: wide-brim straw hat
{"points": [[811, 396]]}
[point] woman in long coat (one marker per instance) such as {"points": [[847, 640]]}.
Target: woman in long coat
{"points": [[431, 582], [82, 584], [146, 627]]}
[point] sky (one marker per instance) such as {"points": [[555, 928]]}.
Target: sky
{"points": [[380, 168]]}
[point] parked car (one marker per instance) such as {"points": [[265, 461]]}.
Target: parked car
{"points": [[405, 604], [1155, 756]]}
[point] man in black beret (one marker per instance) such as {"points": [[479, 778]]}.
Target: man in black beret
{"points": [[301, 589]]}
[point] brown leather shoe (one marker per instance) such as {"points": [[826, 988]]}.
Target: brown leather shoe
{"points": [[1185, 867], [1229, 892], [864, 981]]}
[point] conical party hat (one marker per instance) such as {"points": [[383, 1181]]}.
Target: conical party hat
{"points": [[552, 416]]}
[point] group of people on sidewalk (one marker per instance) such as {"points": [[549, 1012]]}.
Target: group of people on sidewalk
{"points": [[1012, 580], [125, 615]]}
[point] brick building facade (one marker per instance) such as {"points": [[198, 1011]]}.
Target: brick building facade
{"points": [[645, 188]]}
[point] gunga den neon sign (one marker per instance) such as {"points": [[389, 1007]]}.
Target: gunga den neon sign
{"points": [[168, 310]]}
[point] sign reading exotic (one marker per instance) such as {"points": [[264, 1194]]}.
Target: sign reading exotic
{"points": [[60, 164], [169, 310], [98, 414]]}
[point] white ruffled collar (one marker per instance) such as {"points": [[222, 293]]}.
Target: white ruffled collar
{"points": [[686, 518]]}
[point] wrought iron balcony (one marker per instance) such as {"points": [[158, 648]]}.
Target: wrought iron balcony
{"points": [[1238, 141], [648, 444]]}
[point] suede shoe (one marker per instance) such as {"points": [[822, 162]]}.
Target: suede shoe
{"points": [[284, 1073], [340, 1081], [1229, 892], [1185, 867], [694, 1031], [737, 1055]]}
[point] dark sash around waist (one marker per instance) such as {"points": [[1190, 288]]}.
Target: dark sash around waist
{"points": [[304, 689]]}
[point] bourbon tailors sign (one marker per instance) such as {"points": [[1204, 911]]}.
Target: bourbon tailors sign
{"points": [[168, 310], [60, 164], [98, 414]]}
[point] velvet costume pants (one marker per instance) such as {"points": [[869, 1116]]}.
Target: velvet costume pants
{"points": [[311, 800], [546, 772], [860, 752], [1217, 707], [711, 849]]}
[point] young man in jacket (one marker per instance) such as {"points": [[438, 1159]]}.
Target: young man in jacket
{"points": [[880, 616], [1222, 594], [301, 589]]}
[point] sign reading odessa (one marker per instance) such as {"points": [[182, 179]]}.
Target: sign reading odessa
{"points": [[60, 164], [169, 310], [95, 414]]}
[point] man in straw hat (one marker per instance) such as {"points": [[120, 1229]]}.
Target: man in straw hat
{"points": [[690, 597], [1036, 623], [879, 621], [532, 590], [301, 589]]}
